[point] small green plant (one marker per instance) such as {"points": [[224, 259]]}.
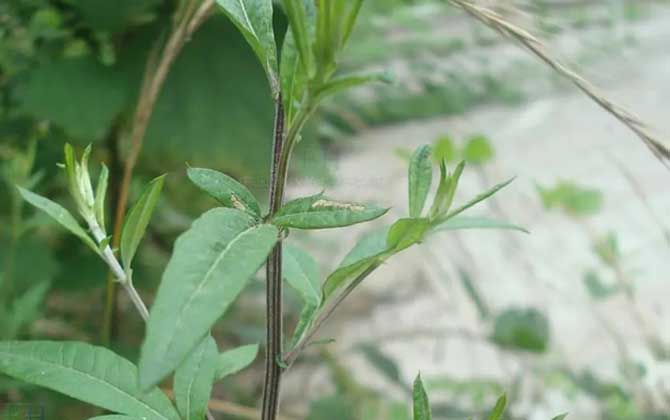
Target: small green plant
{"points": [[215, 259]]}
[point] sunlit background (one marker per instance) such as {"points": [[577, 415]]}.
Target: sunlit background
{"points": [[572, 317]]}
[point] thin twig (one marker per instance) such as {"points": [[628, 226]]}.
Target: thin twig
{"points": [[490, 18], [157, 68], [117, 270]]}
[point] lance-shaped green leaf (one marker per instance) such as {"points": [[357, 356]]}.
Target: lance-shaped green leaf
{"points": [[442, 191], [212, 262], [342, 83], [407, 232], [59, 214], [71, 171], [560, 416], [351, 20], [325, 44], [369, 252], [138, 220], [478, 199], [225, 190], [253, 18], [307, 316], [293, 79], [499, 409], [372, 250], [420, 178], [467, 222], [232, 361], [300, 15], [420, 404], [194, 380], [25, 308], [446, 190], [302, 273], [316, 212], [100, 194], [383, 363], [88, 373]]}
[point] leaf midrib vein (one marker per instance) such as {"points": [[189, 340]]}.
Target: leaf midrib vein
{"points": [[91, 377]]}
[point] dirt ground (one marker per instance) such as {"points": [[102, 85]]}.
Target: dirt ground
{"points": [[415, 305]]}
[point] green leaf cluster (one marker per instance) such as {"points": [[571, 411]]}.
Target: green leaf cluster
{"points": [[476, 150], [522, 329], [574, 199]]}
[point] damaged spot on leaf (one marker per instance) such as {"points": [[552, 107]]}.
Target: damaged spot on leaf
{"points": [[334, 204], [237, 203]]}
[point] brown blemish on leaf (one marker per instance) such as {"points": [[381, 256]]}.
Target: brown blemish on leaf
{"points": [[237, 203], [337, 205]]}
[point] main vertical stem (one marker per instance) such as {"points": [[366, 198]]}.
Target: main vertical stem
{"points": [[273, 348]]}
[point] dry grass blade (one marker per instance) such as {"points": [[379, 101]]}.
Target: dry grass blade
{"points": [[495, 21]]}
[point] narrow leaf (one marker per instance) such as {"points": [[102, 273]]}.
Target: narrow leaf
{"points": [[467, 222], [90, 374], [407, 232], [26, 308], [442, 191], [138, 220], [194, 379], [307, 316], [114, 417], [420, 398], [232, 361], [369, 252], [475, 296], [499, 408], [561, 417], [351, 20], [100, 193], [300, 14], [225, 190], [420, 178], [478, 199], [59, 214], [454, 179], [302, 273], [342, 83], [253, 18], [316, 212], [71, 171], [293, 79], [212, 262], [383, 363]]}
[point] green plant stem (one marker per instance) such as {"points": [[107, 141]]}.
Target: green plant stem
{"points": [[273, 348], [119, 274]]}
